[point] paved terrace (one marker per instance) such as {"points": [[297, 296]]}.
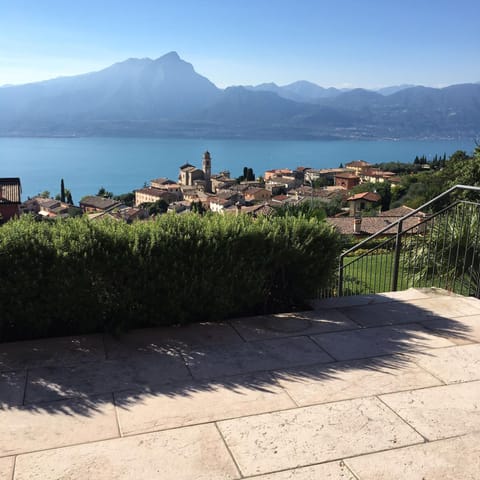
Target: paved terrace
{"points": [[374, 387]]}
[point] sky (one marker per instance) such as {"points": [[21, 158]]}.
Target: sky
{"points": [[339, 43]]}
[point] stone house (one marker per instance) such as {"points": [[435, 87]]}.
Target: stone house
{"points": [[357, 166], [93, 203], [10, 198], [347, 180], [257, 194], [363, 201]]}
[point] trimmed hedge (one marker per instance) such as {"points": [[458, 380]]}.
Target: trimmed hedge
{"points": [[77, 276]]}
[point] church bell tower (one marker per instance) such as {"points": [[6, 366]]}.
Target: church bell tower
{"points": [[207, 168]]}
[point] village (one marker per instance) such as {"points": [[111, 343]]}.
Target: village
{"points": [[200, 190]]}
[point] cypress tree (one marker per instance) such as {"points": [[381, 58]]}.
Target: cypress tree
{"points": [[62, 191]]}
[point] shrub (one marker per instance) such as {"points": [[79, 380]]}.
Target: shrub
{"points": [[76, 276]]}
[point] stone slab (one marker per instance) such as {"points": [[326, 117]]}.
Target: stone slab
{"points": [[51, 351], [57, 424], [475, 302], [439, 412], [211, 362], [391, 313], [460, 330], [196, 402], [402, 295], [371, 342], [345, 380], [138, 371], [309, 435], [325, 471], [191, 453], [452, 365], [12, 388], [452, 459], [164, 339], [6, 468], [348, 301], [292, 324], [448, 306], [412, 294]]}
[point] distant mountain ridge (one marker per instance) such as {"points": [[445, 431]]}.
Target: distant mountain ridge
{"points": [[167, 97]]}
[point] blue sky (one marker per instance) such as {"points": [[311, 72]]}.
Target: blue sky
{"points": [[341, 43]]}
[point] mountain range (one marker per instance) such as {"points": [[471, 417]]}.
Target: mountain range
{"points": [[167, 97]]}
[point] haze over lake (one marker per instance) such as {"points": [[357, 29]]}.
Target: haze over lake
{"points": [[124, 164]]}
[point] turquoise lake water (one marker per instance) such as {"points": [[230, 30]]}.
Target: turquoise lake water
{"points": [[124, 164]]}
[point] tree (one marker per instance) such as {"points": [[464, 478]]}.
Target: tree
{"points": [[126, 198], [155, 208], [307, 209], [62, 191], [462, 169], [384, 189], [69, 198], [454, 263], [322, 182], [197, 207], [248, 175], [104, 193], [44, 194]]}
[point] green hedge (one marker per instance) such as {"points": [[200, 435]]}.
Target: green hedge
{"points": [[77, 276]]}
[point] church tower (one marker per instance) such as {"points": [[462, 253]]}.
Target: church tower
{"points": [[207, 169]]}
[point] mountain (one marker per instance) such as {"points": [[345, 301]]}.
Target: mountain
{"points": [[167, 97], [134, 90], [393, 89], [300, 91]]}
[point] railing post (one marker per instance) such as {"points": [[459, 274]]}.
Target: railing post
{"points": [[396, 260], [340, 277]]}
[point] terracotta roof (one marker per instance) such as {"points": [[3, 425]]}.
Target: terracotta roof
{"points": [[154, 192], [10, 190], [367, 196], [346, 175], [280, 198], [162, 181], [375, 172], [253, 191], [219, 201], [99, 202], [262, 209], [400, 212], [358, 164], [371, 225]]}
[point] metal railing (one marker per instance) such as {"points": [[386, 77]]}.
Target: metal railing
{"points": [[437, 244]]}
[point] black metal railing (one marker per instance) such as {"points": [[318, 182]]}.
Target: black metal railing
{"points": [[437, 244]]}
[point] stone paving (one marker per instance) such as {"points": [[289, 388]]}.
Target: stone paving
{"points": [[374, 387]]}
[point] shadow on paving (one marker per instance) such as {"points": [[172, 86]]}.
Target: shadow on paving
{"points": [[260, 355]]}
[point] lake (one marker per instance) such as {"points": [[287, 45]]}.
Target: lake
{"points": [[124, 164]]}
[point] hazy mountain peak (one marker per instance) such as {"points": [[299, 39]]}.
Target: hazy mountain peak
{"points": [[394, 89], [172, 57]]}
